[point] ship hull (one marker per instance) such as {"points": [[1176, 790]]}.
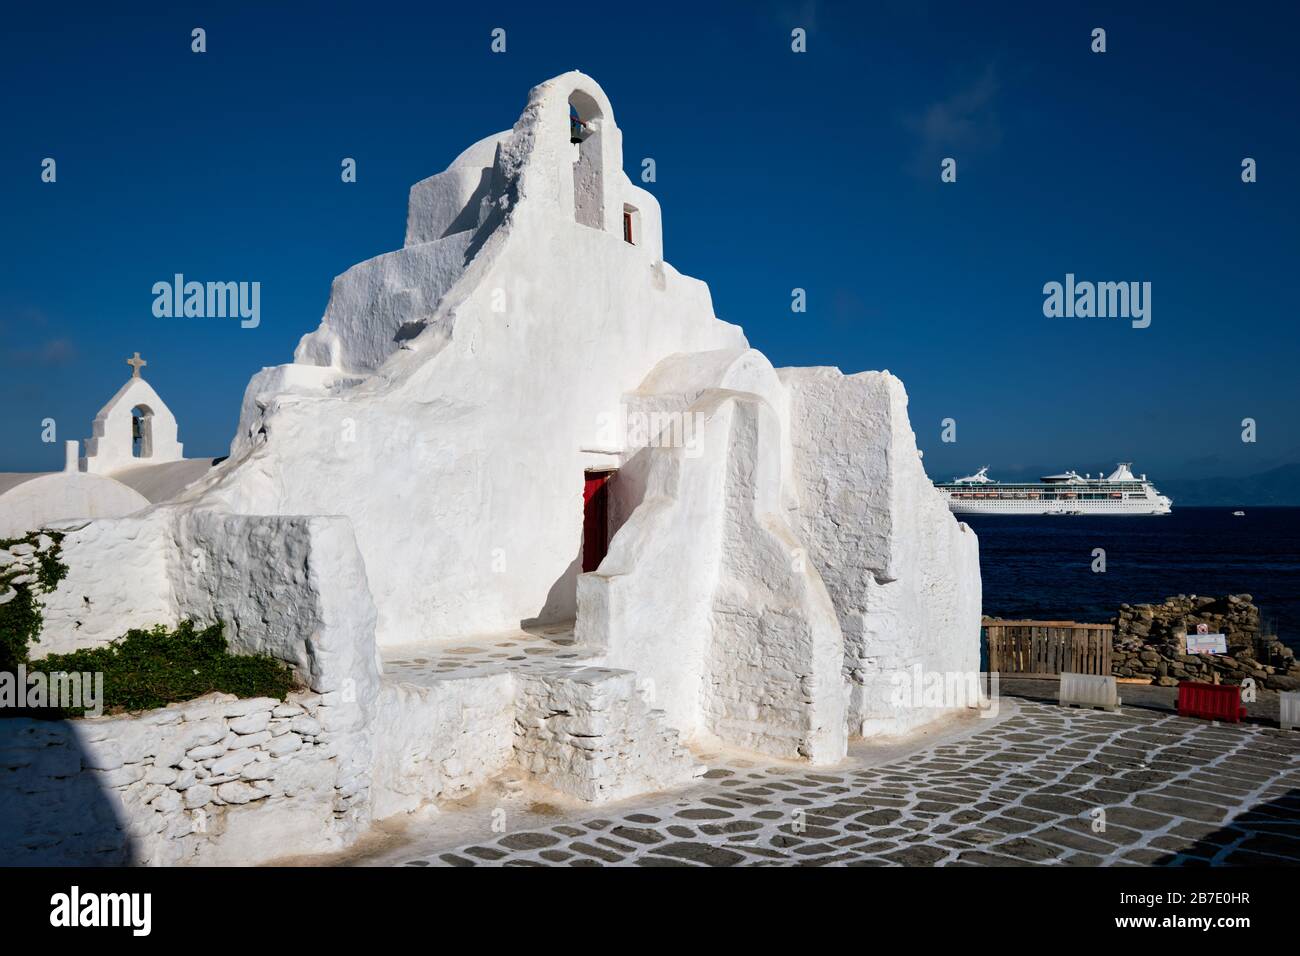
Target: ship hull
{"points": [[1023, 507]]}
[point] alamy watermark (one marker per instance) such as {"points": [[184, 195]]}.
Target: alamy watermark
{"points": [[59, 690], [209, 300], [1102, 300], [946, 690], [133, 911], [656, 429]]}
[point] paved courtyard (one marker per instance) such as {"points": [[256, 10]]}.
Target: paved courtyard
{"points": [[1045, 785], [540, 646]]}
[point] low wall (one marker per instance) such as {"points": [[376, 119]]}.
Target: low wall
{"points": [[440, 742], [215, 781]]}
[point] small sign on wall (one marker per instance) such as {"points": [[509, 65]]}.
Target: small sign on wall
{"points": [[1207, 644]]}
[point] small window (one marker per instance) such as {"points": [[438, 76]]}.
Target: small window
{"points": [[631, 225]]}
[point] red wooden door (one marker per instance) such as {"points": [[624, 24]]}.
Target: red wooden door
{"points": [[595, 519]]}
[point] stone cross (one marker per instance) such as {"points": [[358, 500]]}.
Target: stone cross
{"points": [[136, 364]]}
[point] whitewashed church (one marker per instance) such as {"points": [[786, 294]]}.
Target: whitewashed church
{"points": [[133, 459], [522, 502]]}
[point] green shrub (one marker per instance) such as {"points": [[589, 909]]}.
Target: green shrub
{"points": [[147, 669], [20, 617]]}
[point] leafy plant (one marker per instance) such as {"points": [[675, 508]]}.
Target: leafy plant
{"points": [[20, 616], [148, 669]]}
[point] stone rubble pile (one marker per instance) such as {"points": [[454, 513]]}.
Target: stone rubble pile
{"points": [[1150, 641]]}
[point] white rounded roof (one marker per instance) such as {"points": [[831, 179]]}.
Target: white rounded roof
{"points": [[481, 154]]}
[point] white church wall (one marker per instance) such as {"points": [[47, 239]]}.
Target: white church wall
{"points": [[647, 607], [678, 380], [279, 384], [676, 497], [293, 587], [478, 426], [377, 305], [446, 204], [116, 580], [298, 782], [703, 596], [773, 681], [902, 571], [288, 586], [590, 733]]}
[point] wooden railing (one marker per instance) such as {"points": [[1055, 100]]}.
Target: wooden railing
{"points": [[1048, 647]]}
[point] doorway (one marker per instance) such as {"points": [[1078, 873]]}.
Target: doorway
{"points": [[595, 517]]}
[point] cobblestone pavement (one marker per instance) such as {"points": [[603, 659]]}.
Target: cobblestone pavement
{"points": [[515, 651], [1049, 785]]}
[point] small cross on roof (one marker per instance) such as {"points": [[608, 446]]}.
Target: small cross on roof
{"points": [[136, 364]]}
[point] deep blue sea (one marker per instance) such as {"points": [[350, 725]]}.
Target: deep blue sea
{"points": [[1041, 566]]}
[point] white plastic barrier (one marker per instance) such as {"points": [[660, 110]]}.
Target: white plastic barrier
{"points": [[1289, 702], [1089, 690]]}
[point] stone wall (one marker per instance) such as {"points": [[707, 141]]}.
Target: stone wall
{"points": [[227, 781], [772, 681], [440, 742], [903, 573], [587, 732], [1150, 641], [215, 781]]}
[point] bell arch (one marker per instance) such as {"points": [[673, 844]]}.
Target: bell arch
{"points": [[585, 119]]}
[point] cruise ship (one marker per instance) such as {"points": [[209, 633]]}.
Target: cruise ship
{"points": [[1120, 493]]}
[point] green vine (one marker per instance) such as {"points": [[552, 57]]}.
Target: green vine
{"points": [[20, 616]]}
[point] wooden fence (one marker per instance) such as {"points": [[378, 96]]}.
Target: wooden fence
{"points": [[1048, 647]]}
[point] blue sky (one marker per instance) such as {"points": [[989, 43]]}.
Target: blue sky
{"points": [[775, 170]]}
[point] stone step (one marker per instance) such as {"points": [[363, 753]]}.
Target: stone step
{"points": [[587, 732]]}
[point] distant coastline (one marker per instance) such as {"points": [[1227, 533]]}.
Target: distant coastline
{"points": [[1277, 487]]}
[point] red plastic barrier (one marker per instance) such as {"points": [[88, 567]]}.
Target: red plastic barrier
{"points": [[1210, 701]]}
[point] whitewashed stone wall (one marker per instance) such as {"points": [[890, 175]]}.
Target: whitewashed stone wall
{"points": [[440, 742], [587, 732], [903, 573], [292, 587], [216, 780], [773, 682], [705, 595], [116, 580]]}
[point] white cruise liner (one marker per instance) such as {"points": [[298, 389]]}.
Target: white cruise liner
{"points": [[1120, 493]]}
